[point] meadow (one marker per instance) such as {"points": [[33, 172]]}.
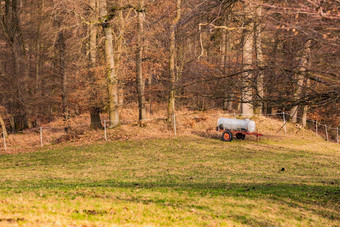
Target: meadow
{"points": [[190, 180]]}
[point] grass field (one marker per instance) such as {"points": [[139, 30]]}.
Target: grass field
{"points": [[186, 181]]}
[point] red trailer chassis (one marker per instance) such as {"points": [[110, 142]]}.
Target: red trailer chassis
{"points": [[227, 135]]}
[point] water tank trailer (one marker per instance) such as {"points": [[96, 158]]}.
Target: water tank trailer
{"points": [[240, 128]]}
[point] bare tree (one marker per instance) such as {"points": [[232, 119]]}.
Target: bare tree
{"points": [[259, 95], [247, 93], [302, 80], [95, 108], [60, 51], [38, 81], [112, 81], [139, 62], [172, 63], [2, 122]]}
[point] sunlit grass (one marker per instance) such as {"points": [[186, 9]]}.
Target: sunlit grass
{"points": [[185, 181]]}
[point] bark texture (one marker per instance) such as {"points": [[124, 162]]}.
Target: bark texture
{"points": [[3, 125], [301, 81], [60, 66], [38, 90], [172, 63], [94, 109], [139, 63], [248, 43], [112, 81], [259, 62]]}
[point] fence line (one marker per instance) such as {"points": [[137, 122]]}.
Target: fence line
{"points": [[284, 114]]}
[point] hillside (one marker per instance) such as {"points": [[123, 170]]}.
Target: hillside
{"points": [[187, 123], [192, 179]]}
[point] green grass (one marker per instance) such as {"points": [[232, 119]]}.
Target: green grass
{"points": [[185, 181]]}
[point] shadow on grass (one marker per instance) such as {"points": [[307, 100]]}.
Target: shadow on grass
{"points": [[261, 144], [309, 197], [218, 136], [208, 135]]}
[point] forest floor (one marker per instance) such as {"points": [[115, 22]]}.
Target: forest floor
{"points": [[189, 180], [188, 123]]}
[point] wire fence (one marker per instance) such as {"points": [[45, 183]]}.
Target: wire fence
{"points": [[317, 125], [48, 135]]}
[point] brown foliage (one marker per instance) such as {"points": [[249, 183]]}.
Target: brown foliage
{"points": [[208, 74]]}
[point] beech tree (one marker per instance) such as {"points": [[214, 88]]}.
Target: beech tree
{"points": [[139, 62], [248, 44], [172, 62], [95, 108], [112, 80]]}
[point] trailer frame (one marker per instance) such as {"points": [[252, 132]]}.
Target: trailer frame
{"points": [[227, 134]]}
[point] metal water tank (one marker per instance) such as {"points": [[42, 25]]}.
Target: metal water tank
{"points": [[236, 124]]}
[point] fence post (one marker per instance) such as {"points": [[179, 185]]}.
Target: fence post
{"points": [[326, 132], [5, 145], [337, 135], [284, 122], [41, 137], [316, 128], [105, 130], [175, 130]]}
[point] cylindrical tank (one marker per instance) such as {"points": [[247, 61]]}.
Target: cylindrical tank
{"points": [[236, 124]]}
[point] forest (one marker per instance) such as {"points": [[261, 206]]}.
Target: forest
{"points": [[64, 58]]}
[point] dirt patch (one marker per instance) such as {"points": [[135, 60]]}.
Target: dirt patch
{"points": [[12, 220], [94, 212]]}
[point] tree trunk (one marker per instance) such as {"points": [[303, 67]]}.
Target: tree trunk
{"points": [[301, 78], [38, 92], [61, 47], [95, 118], [94, 108], [139, 63], [226, 103], [306, 85], [3, 126], [112, 81], [226, 49], [118, 52], [304, 116], [269, 88], [294, 112], [230, 103], [259, 61], [12, 123], [150, 93], [180, 61], [223, 50], [247, 97], [224, 64], [172, 64]]}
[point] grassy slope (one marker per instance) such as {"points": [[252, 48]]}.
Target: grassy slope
{"points": [[185, 181]]}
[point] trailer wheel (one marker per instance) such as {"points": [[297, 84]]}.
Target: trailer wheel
{"points": [[227, 136], [240, 136]]}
